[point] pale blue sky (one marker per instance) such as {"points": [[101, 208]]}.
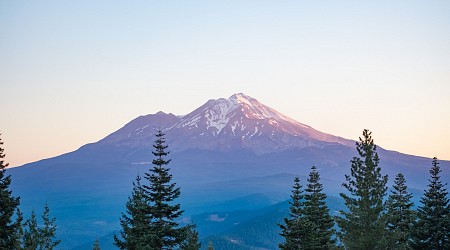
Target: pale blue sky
{"points": [[72, 72]]}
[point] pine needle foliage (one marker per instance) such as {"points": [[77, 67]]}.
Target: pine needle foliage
{"points": [[433, 224], [8, 206], [363, 225], [292, 229], [96, 245], [161, 194], [191, 240], [48, 232], [151, 218], [31, 238], [317, 221], [210, 246], [400, 215], [36, 237], [134, 222]]}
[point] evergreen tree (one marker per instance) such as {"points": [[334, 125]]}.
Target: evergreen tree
{"points": [[191, 241], [317, 221], [150, 221], [35, 237], [48, 232], [433, 225], [31, 238], [363, 225], [19, 234], [96, 245], [400, 215], [292, 230], [8, 205], [210, 246], [161, 194], [135, 223]]}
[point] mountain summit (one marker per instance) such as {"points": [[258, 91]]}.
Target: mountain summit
{"points": [[226, 149], [239, 122]]}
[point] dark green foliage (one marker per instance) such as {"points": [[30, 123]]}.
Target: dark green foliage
{"points": [[31, 236], [363, 226], [48, 232], [310, 225], [292, 230], [400, 215], [210, 246], [150, 222], [8, 205], [161, 193], [19, 234], [35, 237], [433, 225], [135, 223], [191, 241], [96, 245], [317, 221]]}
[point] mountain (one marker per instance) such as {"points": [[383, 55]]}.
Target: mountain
{"points": [[228, 149], [239, 122]]}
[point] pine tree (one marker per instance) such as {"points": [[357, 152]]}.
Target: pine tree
{"points": [[48, 232], [317, 221], [150, 221], [31, 238], [161, 194], [135, 223], [19, 234], [35, 237], [8, 205], [292, 230], [191, 241], [363, 225], [210, 246], [433, 225], [400, 215], [96, 245]]}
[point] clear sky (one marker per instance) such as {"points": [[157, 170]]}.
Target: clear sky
{"points": [[72, 72]]}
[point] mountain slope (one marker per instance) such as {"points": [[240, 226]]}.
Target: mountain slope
{"points": [[223, 150], [239, 122]]}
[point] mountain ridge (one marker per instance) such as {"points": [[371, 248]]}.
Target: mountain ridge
{"points": [[224, 124], [87, 188]]}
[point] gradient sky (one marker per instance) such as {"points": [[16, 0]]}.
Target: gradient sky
{"points": [[72, 72]]}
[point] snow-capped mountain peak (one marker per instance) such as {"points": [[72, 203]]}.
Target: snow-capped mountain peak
{"points": [[226, 124], [249, 123], [217, 113]]}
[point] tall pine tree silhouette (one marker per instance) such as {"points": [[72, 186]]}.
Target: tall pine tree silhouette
{"points": [[363, 225], [151, 218], [433, 225], [32, 236], [135, 223], [400, 215], [8, 206], [161, 193], [292, 230], [36, 237], [317, 221], [48, 232]]}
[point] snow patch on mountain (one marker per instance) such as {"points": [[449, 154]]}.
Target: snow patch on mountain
{"points": [[219, 115], [230, 123]]}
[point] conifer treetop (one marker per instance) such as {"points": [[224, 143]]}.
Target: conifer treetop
{"points": [[433, 224], [363, 224], [8, 205]]}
